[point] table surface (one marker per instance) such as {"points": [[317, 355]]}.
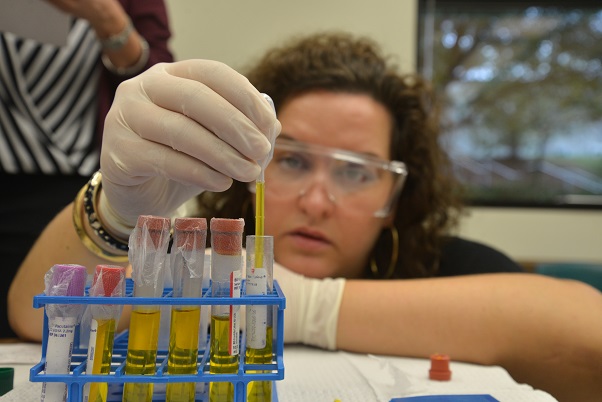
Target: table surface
{"points": [[317, 375]]}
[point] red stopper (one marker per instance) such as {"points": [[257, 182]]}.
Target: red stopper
{"points": [[156, 226], [440, 367], [190, 233], [226, 235], [110, 278]]}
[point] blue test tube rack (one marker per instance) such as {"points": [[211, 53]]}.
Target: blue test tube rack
{"points": [[77, 379]]}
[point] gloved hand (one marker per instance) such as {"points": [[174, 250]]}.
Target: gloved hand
{"points": [[176, 130], [312, 308]]}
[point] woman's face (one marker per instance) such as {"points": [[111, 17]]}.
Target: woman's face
{"points": [[313, 234]]}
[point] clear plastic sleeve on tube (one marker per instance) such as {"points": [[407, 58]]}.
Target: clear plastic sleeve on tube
{"points": [[226, 281], [147, 253], [259, 282], [61, 280], [65, 280], [259, 325], [188, 259], [188, 256], [109, 281]]}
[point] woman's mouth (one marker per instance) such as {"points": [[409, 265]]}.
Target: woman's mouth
{"points": [[309, 240]]}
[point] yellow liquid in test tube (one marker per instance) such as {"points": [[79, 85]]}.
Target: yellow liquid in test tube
{"points": [[142, 352], [259, 215], [258, 391], [105, 334], [183, 351], [222, 362]]}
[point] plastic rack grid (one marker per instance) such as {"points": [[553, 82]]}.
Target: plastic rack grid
{"points": [[77, 378]]}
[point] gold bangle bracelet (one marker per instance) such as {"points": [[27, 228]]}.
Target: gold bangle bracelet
{"points": [[114, 250]]}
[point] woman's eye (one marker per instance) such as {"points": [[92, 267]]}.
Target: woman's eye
{"points": [[357, 174], [292, 162]]}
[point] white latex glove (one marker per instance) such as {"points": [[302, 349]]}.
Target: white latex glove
{"points": [[312, 308], [176, 130]]}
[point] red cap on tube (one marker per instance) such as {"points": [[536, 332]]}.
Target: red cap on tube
{"points": [[190, 233], [156, 226], [108, 281], [226, 235]]}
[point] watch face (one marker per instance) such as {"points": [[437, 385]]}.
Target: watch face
{"points": [[116, 42]]}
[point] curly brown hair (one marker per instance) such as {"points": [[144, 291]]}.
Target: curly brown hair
{"points": [[429, 204]]}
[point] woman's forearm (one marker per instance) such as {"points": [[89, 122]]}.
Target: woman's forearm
{"points": [[544, 331], [58, 244]]}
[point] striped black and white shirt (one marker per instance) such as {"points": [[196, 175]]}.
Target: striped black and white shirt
{"points": [[48, 109]]}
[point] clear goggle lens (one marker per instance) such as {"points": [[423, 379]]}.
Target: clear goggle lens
{"points": [[360, 183]]}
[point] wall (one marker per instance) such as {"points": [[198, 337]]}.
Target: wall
{"points": [[237, 31]]}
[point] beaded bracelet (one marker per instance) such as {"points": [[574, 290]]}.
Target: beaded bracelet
{"points": [[110, 248]]}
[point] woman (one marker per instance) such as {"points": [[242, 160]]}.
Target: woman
{"points": [[336, 208]]}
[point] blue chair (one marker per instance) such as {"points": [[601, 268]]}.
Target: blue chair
{"points": [[586, 272]]}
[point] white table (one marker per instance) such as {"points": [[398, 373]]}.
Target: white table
{"points": [[316, 375]]}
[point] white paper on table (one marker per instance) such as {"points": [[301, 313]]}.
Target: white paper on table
{"points": [[21, 353], [35, 19], [318, 375]]}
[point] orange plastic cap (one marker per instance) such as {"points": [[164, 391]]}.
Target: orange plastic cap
{"points": [[440, 367]]}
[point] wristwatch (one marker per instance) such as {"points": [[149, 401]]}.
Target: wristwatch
{"points": [[116, 42], [132, 70]]}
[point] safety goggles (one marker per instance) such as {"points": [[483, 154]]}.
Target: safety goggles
{"points": [[357, 182]]}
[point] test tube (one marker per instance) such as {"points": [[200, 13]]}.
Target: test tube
{"points": [[109, 281], [61, 280], [147, 254], [188, 253], [259, 282], [226, 278], [205, 318]]}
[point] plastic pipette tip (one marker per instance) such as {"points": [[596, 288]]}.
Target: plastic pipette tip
{"points": [[108, 281], [440, 367], [226, 235], [190, 233], [68, 280]]}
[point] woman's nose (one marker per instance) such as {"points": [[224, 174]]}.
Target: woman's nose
{"points": [[316, 200]]}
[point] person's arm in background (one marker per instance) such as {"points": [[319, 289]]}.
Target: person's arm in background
{"points": [[109, 19]]}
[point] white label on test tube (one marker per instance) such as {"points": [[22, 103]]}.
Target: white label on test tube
{"points": [[91, 354], [235, 285], [257, 316], [92, 346], [61, 331]]}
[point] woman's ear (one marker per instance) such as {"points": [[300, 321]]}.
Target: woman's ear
{"points": [[389, 220]]}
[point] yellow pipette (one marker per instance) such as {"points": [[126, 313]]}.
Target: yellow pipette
{"points": [[260, 195]]}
